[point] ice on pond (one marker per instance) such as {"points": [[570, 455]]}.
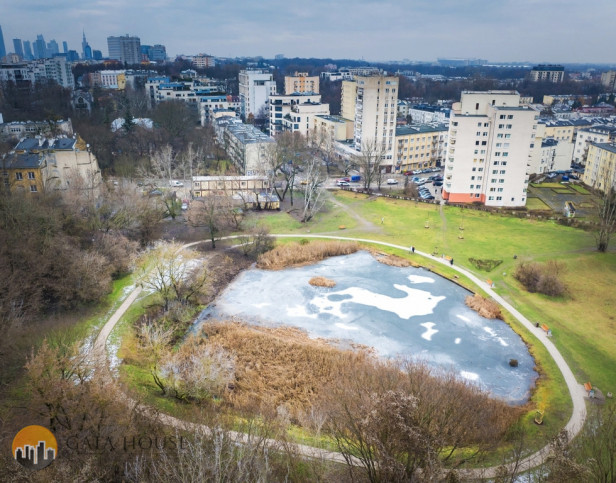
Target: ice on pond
{"points": [[375, 305], [429, 330]]}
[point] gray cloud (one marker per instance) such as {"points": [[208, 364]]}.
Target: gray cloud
{"points": [[498, 30]]}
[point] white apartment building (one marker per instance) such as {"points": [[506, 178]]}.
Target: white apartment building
{"points": [[280, 107], [203, 61], [608, 80], [491, 138], [549, 155], [300, 119], [594, 134], [113, 79], [547, 73], [255, 87], [376, 105]]}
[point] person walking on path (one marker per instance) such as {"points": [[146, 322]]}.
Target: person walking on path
{"points": [[451, 261], [413, 249]]}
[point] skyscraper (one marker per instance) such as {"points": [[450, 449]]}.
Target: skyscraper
{"points": [[40, 47], [28, 50], [18, 47], [65, 47], [86, 50], [52, 48], [125, 49], [2, 48]]}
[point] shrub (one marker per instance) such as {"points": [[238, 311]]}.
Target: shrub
{"points": [[513, 362], [485, 307], [541, 277], [486, 265]]}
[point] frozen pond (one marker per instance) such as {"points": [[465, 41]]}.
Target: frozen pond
{"points": [[398, 311]]}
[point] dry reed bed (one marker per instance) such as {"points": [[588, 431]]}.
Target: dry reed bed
{"points": [[392, 260], [322, 282], [279, 366], [284, 367], [485, 307], [295, 254]]}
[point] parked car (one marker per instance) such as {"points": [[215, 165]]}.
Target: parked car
{"points": [[342, 183], [174, 183], [551, 175], [438, 183], [392, 181]]}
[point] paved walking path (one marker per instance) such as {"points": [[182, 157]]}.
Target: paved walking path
{"points": [[576, 390]]}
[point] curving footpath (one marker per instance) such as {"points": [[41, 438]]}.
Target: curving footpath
{"points": [[576, 390]]}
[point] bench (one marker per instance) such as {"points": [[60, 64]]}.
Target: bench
{"points": [[545, 327], [588, 386]]}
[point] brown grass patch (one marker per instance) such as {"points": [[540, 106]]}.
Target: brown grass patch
{"points": [[279, 366], [294, 254], [392, 260], [485, 307], [322, 282]]}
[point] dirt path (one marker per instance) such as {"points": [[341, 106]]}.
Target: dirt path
{"points": [[576, 390], [363, 224]]}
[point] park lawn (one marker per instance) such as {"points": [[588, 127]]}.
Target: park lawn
{"points": [[562, 191], [583, 323], [533, 204]]}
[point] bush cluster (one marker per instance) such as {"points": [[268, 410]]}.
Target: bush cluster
{"points": [[543, 278]]}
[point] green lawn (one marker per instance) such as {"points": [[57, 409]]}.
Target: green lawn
{"points": [[536, 204], [562, 191], [546, 185], [580, 189]]}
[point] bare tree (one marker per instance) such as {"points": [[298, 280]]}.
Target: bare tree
{"points": [[211, 212], [284, 157], [313, 179], [369, 162], [162, 162]]}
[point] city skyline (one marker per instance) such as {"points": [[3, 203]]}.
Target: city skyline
{"points": [[560, 31]]}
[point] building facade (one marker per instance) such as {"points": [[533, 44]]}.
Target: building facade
{"points": [[255, 87], [608, 80], [125, 48], [280, 107], [547, 73], [594, 134], [376, 106], [491, 137], [302, 83], [420, 146], [246, 147], [600, 172]]}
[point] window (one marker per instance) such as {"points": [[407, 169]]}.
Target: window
{"points": [[472, 186], [498, 198], [474, 169], [509, 126], [510, 116], [501, 181], [497, 153], [495, 171], [472, 178], [476, 143], [486, 124], [19, 176], [480, 169], [483, 143], [505, 154], [30, 174], [502, 116], [490, 198], [502, 171], [501, 126], [507, 136], [500, 190], [478, 133], [33, 188], [503, 163], [499, 135]]}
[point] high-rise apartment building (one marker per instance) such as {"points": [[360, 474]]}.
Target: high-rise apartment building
{"points": [[376, 105], [255, 87], [52, 48], [125, 49], [18, 46], [2, 47], [491, 139], [301, 83], [608, 79], [64, 47]]}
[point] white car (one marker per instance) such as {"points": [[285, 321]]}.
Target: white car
{"points": [[392, 181], [174, 183]]}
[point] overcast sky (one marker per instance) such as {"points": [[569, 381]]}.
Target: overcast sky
{"points": [[497, 30]]}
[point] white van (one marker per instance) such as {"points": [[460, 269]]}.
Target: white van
{"points": [[175, 183]]}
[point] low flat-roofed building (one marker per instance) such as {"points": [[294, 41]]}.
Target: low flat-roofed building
{"points": [[246, 147], [419, 146], [332, 127], [228, 185]]}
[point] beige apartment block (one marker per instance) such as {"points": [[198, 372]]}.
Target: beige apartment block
{"points": [[348, 99], [336, 128], [376, 106], [420, 146], [600, 172], [491, 138], [302, 83]]}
